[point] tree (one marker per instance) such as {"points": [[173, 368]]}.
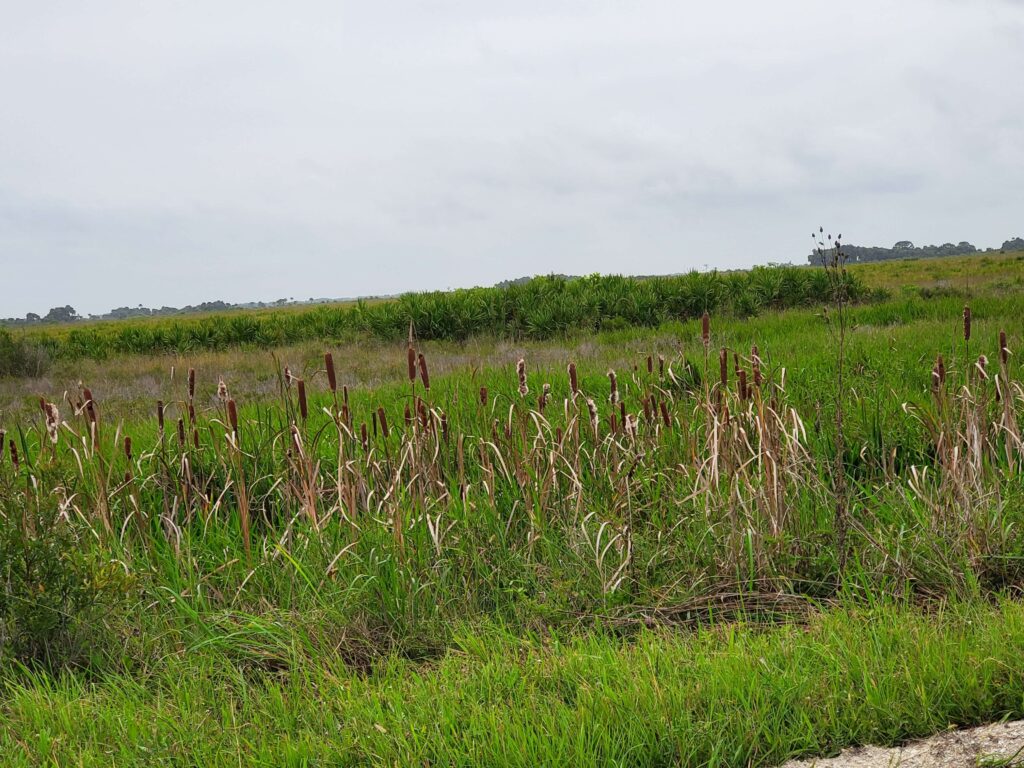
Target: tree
{"points": [[65, 314], [902, 245]]}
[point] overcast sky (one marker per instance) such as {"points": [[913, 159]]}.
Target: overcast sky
{"points": [[167, 153]]}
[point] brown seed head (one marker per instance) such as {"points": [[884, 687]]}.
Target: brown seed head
{"points": [[300, 386], [233, 416], [191, 384], [1004, 351], [332, 379], [574, 384], [424, 375], [705, 330], [383, 419], [967, 323], [410, 353], [521, 372], [483, 396], [160, 415], [613, 384], [128, 447]]}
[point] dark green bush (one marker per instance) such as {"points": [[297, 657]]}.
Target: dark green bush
{"points": [[19, 358], [52, 592]]}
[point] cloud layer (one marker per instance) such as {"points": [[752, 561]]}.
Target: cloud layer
{"points": [[175, 153]]}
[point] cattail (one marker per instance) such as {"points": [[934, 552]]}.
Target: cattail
{"points": [[613, 424], [332, 379], [592, 409], [622, 411], [935, 379], [411, 355], [650, 365], [344, 395], [736, 362], [160, 415], [300, 386], [90, 405], [444, 426], [382, 417], [558, 434], [940, 368], [14, 456], [574, 384], [705, 330], [542, 401], [192, 384], [521, 371], [424, 375], [613, 383], [288, 377], [408, 417], [967, 323], [483, 396], [743, 384], [1004, 351], [647, 409], [128, 447], [363, 437], [191, 414], [52, 416], [3, 445], [181, 432], [755, 363], [980, 365], [723, 367], [233, 416], [195, 438], [665, 417], [222, 391], [661, 366]]}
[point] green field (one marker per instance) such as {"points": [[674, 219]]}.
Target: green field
{"points": [[667, 557]]}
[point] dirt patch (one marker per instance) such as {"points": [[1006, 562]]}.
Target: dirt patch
{"points": [[999, 745]]}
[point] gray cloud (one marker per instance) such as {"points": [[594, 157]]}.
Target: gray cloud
{"points": [[173, 153]]}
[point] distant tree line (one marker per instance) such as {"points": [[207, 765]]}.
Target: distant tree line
{"points": [[904, 249]]}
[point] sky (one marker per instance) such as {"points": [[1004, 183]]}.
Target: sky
{"points": [[169, 153]]}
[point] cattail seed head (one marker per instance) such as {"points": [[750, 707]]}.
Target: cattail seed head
{"points": [[613, 424], [195, 438], [613, 383], [723, 367], [90, 405], [940, 368], [300, 386], [483, 396], [661, 366], [705, 329], [574, 384], [424, 375], [382, 417], [191, 413], [665, 417], [411, 357], [521, 372], [3, 445], [408, 416], [967, 323], [233, 416], [128, 447], [755, 362], [222, 391], [191, 384], [181, 432], [363, 437], [650, 364], [1004, 351], [332, 379], [52, 416], [288, 377], [160, 415], [743, 384], [622, 411], [14, 455], [981, 365]]}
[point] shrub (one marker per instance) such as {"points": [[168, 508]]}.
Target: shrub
{"points": [[19, 358], [51, 590]]}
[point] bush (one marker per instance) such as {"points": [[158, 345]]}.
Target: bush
{"points": [[19, 358], [51, 591]]}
